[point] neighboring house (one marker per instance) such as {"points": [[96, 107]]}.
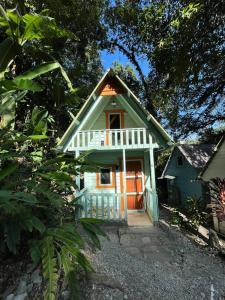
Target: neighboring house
{"points": [[182, 169], [123, 137], [215, 167]]}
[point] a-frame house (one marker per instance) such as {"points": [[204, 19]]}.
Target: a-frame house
{"points": [[123, 136]]}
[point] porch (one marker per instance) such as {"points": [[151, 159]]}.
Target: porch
{"points": [[108, 139], [130, 187], [111, 207]]}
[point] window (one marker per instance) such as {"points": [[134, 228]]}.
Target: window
{"points": [[180, 160], [105, 177], [81, 181], [114, 121]]}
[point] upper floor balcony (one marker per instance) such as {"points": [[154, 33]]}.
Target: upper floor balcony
{"points": [[129, 138]]}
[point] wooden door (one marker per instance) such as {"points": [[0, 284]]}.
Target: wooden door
{"points": [[134, 183]]}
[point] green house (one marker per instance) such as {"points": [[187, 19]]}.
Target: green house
{"points": [[123, 137], [182, 169]]}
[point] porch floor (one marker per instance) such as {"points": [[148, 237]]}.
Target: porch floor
{"points": [[138, 219]]}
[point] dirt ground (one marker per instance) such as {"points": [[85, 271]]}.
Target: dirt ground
{"points": [[154, 263]]}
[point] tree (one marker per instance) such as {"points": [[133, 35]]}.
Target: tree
{"points": [[183, 43], [75, 47]]}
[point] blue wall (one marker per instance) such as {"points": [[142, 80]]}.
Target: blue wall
{"points": [[185, 177]]}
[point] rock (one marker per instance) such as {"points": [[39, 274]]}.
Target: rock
{"points": [[214, 240], [65, 295], [22, 287], [104, 280], [30, 287], [10, 297], [35, 277], [30, 267], [20, 297], [125, 297], [146, 240]]}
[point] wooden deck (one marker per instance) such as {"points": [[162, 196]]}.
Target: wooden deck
{"points": [[107, 139]]}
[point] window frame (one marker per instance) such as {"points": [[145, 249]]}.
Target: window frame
{"points": [[99, 185]]}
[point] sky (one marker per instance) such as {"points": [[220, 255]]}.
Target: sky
{"points": [[109, 58]]}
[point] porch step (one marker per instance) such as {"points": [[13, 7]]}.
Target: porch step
{"points": [[137, 219]]}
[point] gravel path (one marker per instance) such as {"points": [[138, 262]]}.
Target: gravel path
{"points": [[151, 263]]}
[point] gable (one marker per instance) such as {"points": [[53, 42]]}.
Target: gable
{"points": [[215, 167], [112, 86], [172, 168]]}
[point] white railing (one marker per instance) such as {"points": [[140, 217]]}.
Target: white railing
{"points": [[110, 139], [102, 206]]}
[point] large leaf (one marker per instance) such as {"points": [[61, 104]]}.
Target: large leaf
{"points": [[38, 71], [49, 268], [35, 250], [33, 26], [43, 69], [12, 234], [37, 137], [37, 223], [27, 84], [8, 50], [8, 170]]}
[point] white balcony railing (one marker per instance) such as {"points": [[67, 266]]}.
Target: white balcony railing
{"points": [[111, 139]]}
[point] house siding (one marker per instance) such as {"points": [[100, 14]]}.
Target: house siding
{"points": [[185, 180], [98, 121], [216, 167]]}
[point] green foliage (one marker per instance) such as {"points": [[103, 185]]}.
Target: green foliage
{"points": [[196, 210], [217, 197], [175, 218], [75, 45], [182, 45], [37, 183]]}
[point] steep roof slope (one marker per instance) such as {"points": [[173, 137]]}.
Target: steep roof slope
{"points": [[215, 166], [197, 154], [120, 87]]}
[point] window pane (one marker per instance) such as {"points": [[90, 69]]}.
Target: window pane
{"points": [[180, 160], [105, 176], [114, 121]]}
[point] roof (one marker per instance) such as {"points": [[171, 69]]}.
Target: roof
{"points": [[197, 154], [222, 140], [109, 74]]}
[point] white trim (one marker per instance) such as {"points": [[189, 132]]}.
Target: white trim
{"points": [[83, 122], [134, 112]]}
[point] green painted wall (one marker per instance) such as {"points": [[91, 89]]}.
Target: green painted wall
{"points": [[110, 158], [185, 177], [98, 119]]}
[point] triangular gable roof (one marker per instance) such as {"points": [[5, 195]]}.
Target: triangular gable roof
{"points": [[92, 97], [197, 155], [220, 143]]}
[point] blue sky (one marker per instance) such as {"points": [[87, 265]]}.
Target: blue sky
{"points": [[109, 58]]}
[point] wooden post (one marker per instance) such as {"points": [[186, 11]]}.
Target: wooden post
{"points": [[77, 176], [124, 185], [154, 198]]}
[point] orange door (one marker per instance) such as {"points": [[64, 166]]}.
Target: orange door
{"points": [[134, 182]]}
